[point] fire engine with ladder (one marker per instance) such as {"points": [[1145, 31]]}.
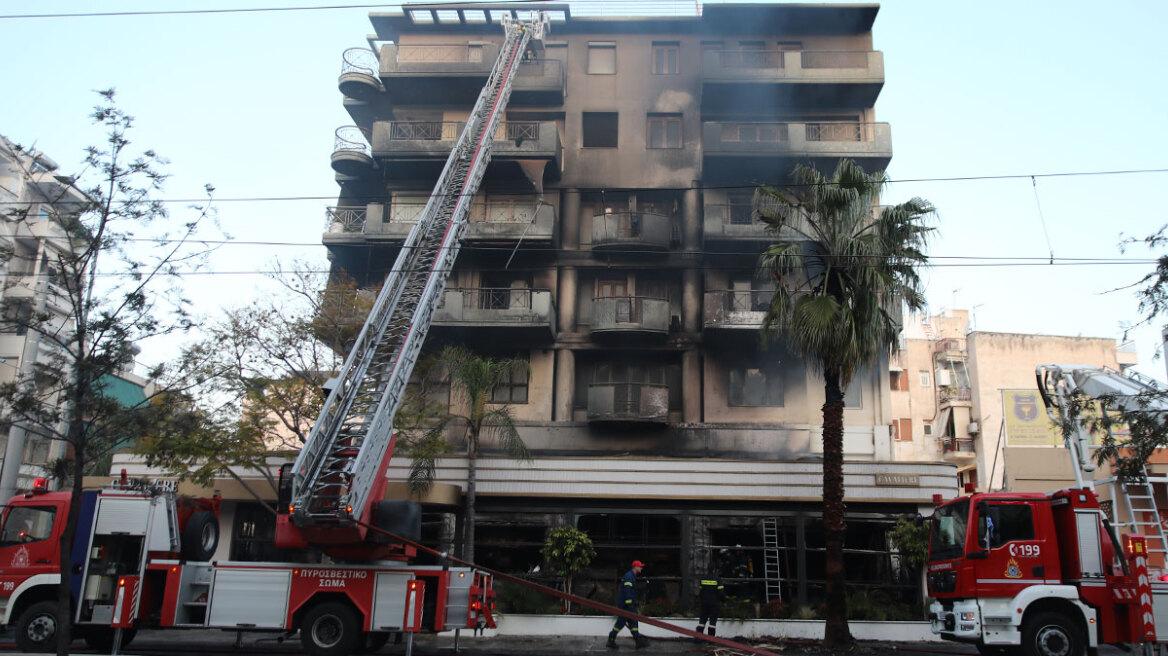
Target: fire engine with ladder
{"points": [[1037, 574], [140, 557]]}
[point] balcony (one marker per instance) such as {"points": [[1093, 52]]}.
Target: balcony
{"points": [[955, 394], [630, 315], [958, 449], [775, 79], [499, 311], [734, 309], [352, 156], [358, 77], [640, 403], [632, 231], [769, 150], [419, 149], [490, 221], [538, 83], [437, 73]]}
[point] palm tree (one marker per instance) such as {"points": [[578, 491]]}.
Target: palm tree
{"points": [[476, 378], [841, 271]]}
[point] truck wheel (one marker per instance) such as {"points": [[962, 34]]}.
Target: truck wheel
{"points": [[1051, 634], [101, 638], [330, 629], [36, 630], [200, 538]]}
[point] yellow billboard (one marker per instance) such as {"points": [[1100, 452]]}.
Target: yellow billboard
{"points": [[1026, 420]]}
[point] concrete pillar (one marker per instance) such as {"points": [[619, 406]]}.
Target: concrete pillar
{"points": [[570, 220], [691, 220], [566, 300], [691, 301], [691, 390], [565, 384]]}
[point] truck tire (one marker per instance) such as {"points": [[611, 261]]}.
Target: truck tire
{"points": [[101, 638], [330, 629], [1052, 634], [200, 538], [36, 629]]}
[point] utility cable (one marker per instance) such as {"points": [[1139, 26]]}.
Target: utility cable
{"points": [[1041, 218]]}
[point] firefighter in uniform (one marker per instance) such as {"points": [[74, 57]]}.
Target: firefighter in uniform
{"points": [[627, 600], [710, 594]]}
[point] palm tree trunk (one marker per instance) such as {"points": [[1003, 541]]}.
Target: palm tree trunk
{"points": [[836, 633], [468, 525]]}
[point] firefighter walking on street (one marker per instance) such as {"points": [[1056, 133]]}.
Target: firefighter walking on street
{"points": [[627, 600], [710, 594]]}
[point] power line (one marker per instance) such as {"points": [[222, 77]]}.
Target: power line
{"points": [[966, 178]]}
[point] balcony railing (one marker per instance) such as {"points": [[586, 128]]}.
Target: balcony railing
{"points": [[950, 393], [498, 307], [735, 214], [957, 444], [835, 58], [632, 229], [496, 298], [733, 308], [344, 219], [750, 59], [489, 212], [754, 132], [359, 60], [351, 138], [546, 68], [439, 53], [626, 401], [630, 313], [449, 130]]}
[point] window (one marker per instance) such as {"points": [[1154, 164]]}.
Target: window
{"points": [[1000, 524], [664, 131], [854, 394], [903, 430], [925, 380], [600, 130], [665, 58], [514, 388], [602, 58], [28, 524], [755, 387], [927, 428]]}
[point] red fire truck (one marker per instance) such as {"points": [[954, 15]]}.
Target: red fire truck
{"points": [[1047, 574], [139, 558]]}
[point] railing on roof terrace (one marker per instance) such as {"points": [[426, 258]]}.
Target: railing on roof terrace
{"points": [[439, 53], [351, 137], [449, 130], [834, 58], [360, 60], [344, 219]]}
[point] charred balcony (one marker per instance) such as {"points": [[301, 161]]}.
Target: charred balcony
{"points": [[418, 150], [628, 403], [454, 74], [740, 150], [502, 313], [736, 310], [630, 315], [352, 157], [778, 79], [358, 77], [632, 231], [491, 220]]}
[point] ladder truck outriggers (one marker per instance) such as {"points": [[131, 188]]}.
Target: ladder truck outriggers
{"points": [[1049, 574], [140, 557]]}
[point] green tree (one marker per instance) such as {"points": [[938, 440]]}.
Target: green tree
{"points": [[568, 551], [911, 541], [474, 378], [841, 271], [118, 279]]}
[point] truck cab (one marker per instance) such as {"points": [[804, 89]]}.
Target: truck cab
{"points": [[1038, 571]]}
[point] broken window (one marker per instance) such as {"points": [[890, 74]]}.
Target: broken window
{"points": [[755, 387], [600, 130]]}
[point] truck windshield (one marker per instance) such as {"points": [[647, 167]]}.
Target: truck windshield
{"points": [[27, 524], [947, 534]]}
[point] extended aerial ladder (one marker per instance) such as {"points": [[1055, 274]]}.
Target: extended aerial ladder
{"points": [[339, 477], [1115, 392]]}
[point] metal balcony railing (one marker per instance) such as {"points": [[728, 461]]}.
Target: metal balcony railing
{"points": [[736, 300], [360, 60], [754, 132], [489, 212], [957, 444], [834, 58], [449, 130], [841, 131], [352, 138], [628, 401], [772, 132], [540, 68], [344, 219], [496, 298], [734, 213], [955, 393], [439, 53]]}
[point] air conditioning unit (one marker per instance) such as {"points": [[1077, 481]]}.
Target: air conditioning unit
{"points": [[974, 428], [943, 377]]}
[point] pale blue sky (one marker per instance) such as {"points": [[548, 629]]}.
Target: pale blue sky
{"points": [[249, 103]]}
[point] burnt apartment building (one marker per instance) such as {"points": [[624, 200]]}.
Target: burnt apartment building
{"points": [[612, 245]]}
